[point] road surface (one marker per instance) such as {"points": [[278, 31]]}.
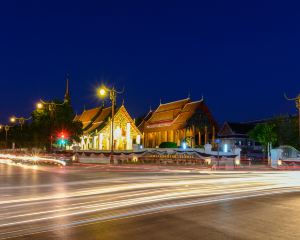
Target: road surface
{"points": [[92, 203]]}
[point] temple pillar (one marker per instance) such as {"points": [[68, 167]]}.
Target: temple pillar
{"points": [[149, 136], [108, 143], [146, 140], [199, 140], [177, 137], [159, 138], [172, 136], [82, 143], [193, 137], [128, 137], [101, 141], [138, 139], [94, 140], [166, 136]]}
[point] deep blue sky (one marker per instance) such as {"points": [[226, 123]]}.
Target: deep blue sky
{"points": [[242, 56]]}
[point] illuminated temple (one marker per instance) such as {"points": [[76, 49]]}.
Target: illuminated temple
{"points": [[97, 129], [180, 121]]}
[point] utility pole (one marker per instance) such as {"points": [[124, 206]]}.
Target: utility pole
{"points": [[113, 98]]}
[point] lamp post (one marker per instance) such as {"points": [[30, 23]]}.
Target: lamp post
{"points": [[218, 141], [6, 128], [297, 102], [20, 120], [113, 98], [50, 105]]}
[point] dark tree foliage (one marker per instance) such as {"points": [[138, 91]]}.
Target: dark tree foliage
{"points": [[48, 124], [44, 128], [287, 130]]}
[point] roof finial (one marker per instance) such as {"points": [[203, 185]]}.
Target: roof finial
{"points": [[160, 101], [150, 108], [84, 107], [189, 94], [123, 102], [67, 93]]}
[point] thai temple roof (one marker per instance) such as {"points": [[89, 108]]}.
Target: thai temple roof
{"points": [[96, 118], [167, 112], [173, 115], [172, 105], [88, 116], [236, 129], [106, 112]]}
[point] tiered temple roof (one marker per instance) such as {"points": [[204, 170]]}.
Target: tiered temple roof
{"points": [[101, 118], [93, 118], [173, 115], [88, 116], [97, 118]]}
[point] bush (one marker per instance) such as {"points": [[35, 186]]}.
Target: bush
{"points": [[199, 146], [168, 145]]}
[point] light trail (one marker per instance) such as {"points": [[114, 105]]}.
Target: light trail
{"points": [[74, 203], [10, 158]]}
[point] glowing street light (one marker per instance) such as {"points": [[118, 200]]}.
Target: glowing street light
{"points": [[102, 92], [13, 119], [39, 105]]}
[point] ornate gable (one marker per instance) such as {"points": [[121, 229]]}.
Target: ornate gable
{"points": [[121, 119]]}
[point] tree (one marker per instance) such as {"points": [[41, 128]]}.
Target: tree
{"points": [[265, 134], [287, 130], [46, 124]]}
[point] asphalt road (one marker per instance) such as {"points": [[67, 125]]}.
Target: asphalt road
{"points": [[97, 203]]}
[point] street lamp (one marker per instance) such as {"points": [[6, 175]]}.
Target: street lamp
{"points": [[113, 98], [6, 129], [20, 120], [50, 105]]}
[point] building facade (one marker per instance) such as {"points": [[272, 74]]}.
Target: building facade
{"points": [[97, 129], [180, 121], [235, 134]]}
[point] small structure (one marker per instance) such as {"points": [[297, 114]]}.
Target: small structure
{"points": [[236, 135], [97, 127]]}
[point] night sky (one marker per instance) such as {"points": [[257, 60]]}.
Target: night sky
{"points": [[242, 56]]}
